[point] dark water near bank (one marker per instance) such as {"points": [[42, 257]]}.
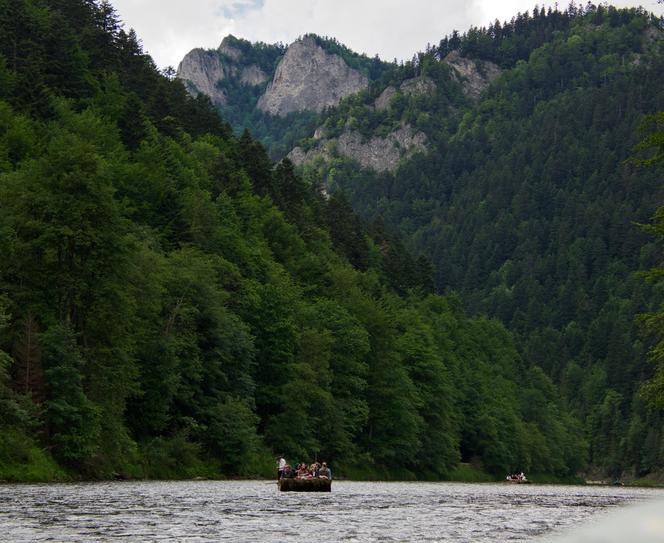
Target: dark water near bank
{"points": [[256, 511]]}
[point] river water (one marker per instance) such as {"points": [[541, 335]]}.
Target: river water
{"points": [[250, 511]]}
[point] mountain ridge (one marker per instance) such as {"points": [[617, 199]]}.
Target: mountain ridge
{"points": [[521, 195], [175, 305], [310, 76]]}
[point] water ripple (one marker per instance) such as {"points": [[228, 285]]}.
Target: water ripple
{"points": [[254, 511]]}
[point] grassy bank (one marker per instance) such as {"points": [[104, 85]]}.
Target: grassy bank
{"points": [[656, 482], [22, 461], [467, 473]]}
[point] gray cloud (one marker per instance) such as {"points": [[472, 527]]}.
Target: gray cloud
{"points": [[389, 28]]}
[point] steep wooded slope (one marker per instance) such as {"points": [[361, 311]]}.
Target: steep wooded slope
{"points": [[173, 304], [528, 210]]}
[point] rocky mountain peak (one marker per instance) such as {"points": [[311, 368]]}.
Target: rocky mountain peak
{"points": [[201, 70], [474, 75], [227, 47], [417, 86], [308, 78]]}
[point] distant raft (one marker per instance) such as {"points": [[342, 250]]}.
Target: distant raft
{"points": [[519, 478], [305, 485]]}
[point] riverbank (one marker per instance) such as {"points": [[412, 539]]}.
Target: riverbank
{"points": [[29, 464]]}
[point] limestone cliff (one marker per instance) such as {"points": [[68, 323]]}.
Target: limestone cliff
{"points": [[309, 78], [474, 75], [306, 78], [417, 86], [253, 76], [203, 70], [376, 153]]}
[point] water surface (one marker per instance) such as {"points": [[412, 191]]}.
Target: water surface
{"points": [[254, 511]]}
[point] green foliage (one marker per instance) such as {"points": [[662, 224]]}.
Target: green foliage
{"points": [[467, 473], [527, 206], [265, 56], [71, 418], [653, 126], [231, 433], [175, 457], [653, 143], [21, 460], [511, 41], [278, 134], [373, 68], [173, 305]]}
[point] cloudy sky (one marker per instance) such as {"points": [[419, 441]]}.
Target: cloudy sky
{"points": [[391, 28]]}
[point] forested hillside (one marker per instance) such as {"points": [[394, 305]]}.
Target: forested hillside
{"points": [[529, 206], [173, 305]]}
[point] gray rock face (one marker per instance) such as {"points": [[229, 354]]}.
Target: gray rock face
{"points": [[202, 70], [474, 75], [309, 79], [652, 35], [299, 156], [383, 101], [382, 154], [231, 52], [378, 154], [252, 75], [418, 86]]}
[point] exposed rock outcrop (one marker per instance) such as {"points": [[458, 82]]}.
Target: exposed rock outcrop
{"points": [[310, 79], [253, 76], [417, 86], [376, 153], [299, 156], [307, 77], [653, 34], [385, 99], [202, 70], [381, 154], [225, 48], [474, 75]]}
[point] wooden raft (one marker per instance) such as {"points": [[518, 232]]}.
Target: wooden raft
{"points": [[305, 485]]}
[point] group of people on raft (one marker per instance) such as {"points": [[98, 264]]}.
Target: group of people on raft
{"points": [[518, 477], [302, 470]]}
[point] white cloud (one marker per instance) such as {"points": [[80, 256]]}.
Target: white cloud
{"points": [[169, 28], [389, 28], [386, 28]]}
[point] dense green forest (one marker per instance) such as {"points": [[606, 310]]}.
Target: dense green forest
{"points": [[529, 204], [652, 146], [172, 304]]}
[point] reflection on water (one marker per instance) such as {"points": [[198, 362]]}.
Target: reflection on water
{"points": [[256, 511]]}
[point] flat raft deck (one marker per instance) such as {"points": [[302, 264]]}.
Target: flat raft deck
{"points": [[305, 485]]}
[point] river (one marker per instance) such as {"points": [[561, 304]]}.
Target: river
{"points": [[248, 511]]}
